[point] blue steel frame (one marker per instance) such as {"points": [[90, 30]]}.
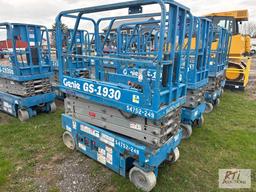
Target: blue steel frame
{"points": [[82, 41], [124, 152], [156, 100], [218, 61], [199, 65], [25, 71], [83, 37], [219, 57]]}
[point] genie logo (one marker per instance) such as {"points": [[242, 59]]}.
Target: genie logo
{"points": [[6, 70], [71, 84]]}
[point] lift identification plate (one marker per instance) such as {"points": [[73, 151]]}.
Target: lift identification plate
{"points": [[127, 147], [94, 89]]}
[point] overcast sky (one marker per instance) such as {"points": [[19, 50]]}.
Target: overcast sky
{"points": [[44, 11]]}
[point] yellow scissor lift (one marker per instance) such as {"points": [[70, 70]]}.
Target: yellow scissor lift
{"points": [[237, 73]]}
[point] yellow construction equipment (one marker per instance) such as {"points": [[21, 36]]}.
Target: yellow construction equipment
{"points": [[237, 73]]}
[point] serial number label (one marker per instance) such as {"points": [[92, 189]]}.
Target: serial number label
{"points": [[6, 70], [94, 89], [127, 147], [139, 111]]}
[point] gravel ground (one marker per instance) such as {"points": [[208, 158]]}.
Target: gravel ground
{"points": [[74, 173]]}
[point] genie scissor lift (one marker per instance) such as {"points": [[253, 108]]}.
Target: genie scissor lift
{"points": [[123, 103], [217, 66], [192, 111], [25, 71]]}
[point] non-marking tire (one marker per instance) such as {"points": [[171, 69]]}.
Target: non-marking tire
{"points": [[144, 181], [222, 92], [217, 102], [186, 131], [201, 121], [53, 107], [209, 108], [68, 140], [174, 156], [23, 115]]}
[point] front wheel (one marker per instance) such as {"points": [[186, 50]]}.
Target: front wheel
{"points": [[144, 181], [23, 115], [68, 140]]}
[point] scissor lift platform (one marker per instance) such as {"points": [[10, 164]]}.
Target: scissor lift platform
{"points": [[25, 70], [217, 67]]}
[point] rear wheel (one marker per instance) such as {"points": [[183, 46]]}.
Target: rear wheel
{"points": [[53, 107], [174, 156], [186, 131], [201, 121], [209, 108], [222, 92], [23, 115], [144, 181], [68, 140], [217, 102]]}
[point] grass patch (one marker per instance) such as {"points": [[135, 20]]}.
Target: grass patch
{"points": [[24, 145], [227, 140]]}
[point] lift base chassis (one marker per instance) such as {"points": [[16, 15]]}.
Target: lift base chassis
{"points": [[116, 152], [40, 103], [214, 89], [154, 133], [189, 115]]}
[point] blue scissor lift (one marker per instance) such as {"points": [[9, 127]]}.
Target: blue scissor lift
{"points": [[192, 111], [126, 112], [217, 66], [25, 71]]}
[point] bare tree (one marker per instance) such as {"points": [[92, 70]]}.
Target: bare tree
{"points": [[249, 28]]}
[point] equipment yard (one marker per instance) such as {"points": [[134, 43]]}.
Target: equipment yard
{"points": [[29, 162], [148, 95]]}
